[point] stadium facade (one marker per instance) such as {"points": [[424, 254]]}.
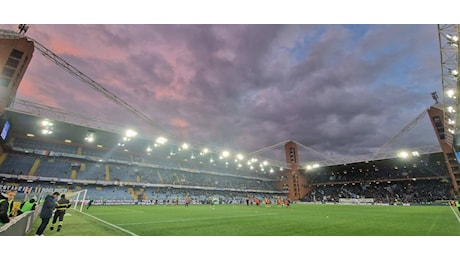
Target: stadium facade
{"points": [[15, 56]]}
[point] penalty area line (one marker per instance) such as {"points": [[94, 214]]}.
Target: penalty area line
{"points": [[110, 224]]}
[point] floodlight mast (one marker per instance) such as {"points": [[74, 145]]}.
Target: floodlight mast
{"points": [[448, 35], [449, 54], [81, 76]]}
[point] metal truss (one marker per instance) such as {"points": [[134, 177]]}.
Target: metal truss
{"points": [[5, 34], [44, 111], [448, 46]]}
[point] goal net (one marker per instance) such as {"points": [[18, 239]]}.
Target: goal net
{"points": [[77, 199]]}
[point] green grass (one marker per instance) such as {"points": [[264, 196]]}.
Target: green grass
{"points": [[242, 220]]}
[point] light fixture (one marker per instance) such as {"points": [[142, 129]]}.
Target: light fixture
{"points": [[453, 73], [89, 136], [130, 133], [403, 155], [452, 38], [161, 140], [47, 127], [434, 95]]}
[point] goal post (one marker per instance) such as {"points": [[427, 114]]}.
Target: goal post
{"points": [[77, 199]]}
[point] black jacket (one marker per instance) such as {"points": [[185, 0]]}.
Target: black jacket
{"points": [[48, 207], [4, 218]]}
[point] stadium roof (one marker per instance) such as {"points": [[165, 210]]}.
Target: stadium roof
{"points": [[23, 125]]}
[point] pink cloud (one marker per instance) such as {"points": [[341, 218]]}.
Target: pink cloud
{"points": [[177, 122], [181, 61], [28, 90]]}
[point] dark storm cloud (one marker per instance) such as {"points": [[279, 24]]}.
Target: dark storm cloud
{"points": [[341, 90]]}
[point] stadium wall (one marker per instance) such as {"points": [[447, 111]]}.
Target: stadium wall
{"points": [[20, 225]]}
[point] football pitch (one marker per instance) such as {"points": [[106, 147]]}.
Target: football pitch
{"points": [[243, 220]]}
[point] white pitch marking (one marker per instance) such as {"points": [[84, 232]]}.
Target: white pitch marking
{"points": [[110, 224], [456, 215]]}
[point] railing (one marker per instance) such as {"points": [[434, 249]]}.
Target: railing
{"points": [[20, 225]]}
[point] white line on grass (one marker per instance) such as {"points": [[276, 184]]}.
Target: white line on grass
{"points": [[110, 224], [456, 215], [192, 219]]}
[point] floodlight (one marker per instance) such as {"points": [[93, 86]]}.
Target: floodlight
{"points": [[161, 140], [403, 154], [89, 136], [452, 38], [130, 133], [434, 95], [46, 122]]}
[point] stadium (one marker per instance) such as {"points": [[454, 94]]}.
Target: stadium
{"points": [[410, 192]]}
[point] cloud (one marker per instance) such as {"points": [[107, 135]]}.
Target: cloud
{"points": [[338, 89]]}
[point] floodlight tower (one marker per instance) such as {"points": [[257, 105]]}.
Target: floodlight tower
{"points": [[448, 45], [15, 56], [295, 181], [444, 118], [437, 117]]}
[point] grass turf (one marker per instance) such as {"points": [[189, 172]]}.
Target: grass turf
{"points": [[242, 220]]}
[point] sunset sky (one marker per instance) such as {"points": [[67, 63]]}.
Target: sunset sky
{"points": [[339, 89], [241, 79]]}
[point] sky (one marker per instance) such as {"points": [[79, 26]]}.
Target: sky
{"points": [[340, 89]]}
